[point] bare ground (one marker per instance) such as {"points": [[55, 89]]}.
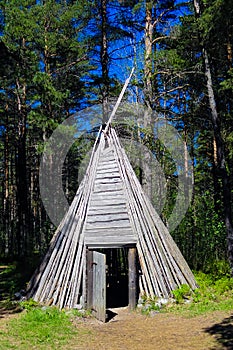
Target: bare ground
{"points": [[126, 330], [164, 331]]}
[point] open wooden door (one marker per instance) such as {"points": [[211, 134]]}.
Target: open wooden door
{"points": [[96, 291]]}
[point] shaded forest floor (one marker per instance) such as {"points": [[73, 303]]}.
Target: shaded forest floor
{"points": [[132, 330]]}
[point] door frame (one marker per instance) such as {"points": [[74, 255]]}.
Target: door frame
{"points": [[132, 277]]}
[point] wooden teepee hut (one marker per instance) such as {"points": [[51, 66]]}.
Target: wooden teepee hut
{"points": [[109, 211]]}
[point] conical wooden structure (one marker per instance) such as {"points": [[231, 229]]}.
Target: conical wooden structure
{"points": [[110, 210]]}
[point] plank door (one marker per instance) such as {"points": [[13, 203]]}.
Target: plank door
{"points": [[99, 285]]}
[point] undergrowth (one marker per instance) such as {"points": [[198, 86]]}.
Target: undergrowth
{"points": [[212, 294], [215, 292], [39, 328]]}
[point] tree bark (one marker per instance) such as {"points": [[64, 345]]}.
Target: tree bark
{"points": [[148, 95], [104, 59], [6, 212], [148, 54]]}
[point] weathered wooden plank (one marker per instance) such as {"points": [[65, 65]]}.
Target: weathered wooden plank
{"points": [[108, 188], [102, 218], [105, 240], [117, 231], [107, 153], [99, 286], [108, 159], [106, 170], [103, 203], [89, 279], [108, 224], [107, 175], [110, 240], [111, 195], [106, 165], [108, 181], [107, 150], [119, 209]]}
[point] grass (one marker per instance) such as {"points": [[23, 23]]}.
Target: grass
{"points": [[35, 327], [212, 295], [39, 328], [215, 293], [49, 328]]}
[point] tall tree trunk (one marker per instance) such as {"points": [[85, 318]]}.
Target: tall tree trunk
{"points": [[6, 212], [148, 55], [21, 172], [219, 148], [104, 59], [148, 95]]}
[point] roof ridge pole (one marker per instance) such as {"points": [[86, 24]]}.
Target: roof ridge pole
{"points": [[118, 101]]}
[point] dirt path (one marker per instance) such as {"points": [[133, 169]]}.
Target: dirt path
{"points": [[134, 331]]}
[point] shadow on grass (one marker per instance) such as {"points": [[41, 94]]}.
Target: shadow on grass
{"points": [[13, 278], [223, 333], [9, 309]]}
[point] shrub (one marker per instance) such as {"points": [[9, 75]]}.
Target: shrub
{"points": [[182, 293]]}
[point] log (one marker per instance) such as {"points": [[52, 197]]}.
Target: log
{"points": [[132, 278]]}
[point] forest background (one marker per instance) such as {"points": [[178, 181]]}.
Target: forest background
{"points": [[61, 57]]}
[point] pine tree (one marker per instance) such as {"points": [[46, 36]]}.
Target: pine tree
{"points": [[42, 82]]}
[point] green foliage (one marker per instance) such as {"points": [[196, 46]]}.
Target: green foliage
{"points": [[219, 269], [40, 328], [182, 293], [48, 49], [29, 304], [203, 227], [215, 292], [12, 279], [212, 294], [149, 305]]}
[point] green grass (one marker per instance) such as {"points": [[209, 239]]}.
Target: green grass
{"points": [[215, 293], [212, 295], [35, 327], [49, 328], [39, 328]]}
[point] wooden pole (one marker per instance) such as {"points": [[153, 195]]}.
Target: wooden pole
{"points": [[119, 100], [132, 278], [89, 279]]}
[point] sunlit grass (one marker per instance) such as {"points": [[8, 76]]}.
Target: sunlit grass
{"points": [[212, 295], [39, 328]]}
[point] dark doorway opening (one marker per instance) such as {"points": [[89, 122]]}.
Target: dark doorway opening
{"points": [[112, 279], [117, 294]]}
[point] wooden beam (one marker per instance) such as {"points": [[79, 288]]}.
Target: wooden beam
{"points": [[132, 278], [118, 101], [89, 296]]}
